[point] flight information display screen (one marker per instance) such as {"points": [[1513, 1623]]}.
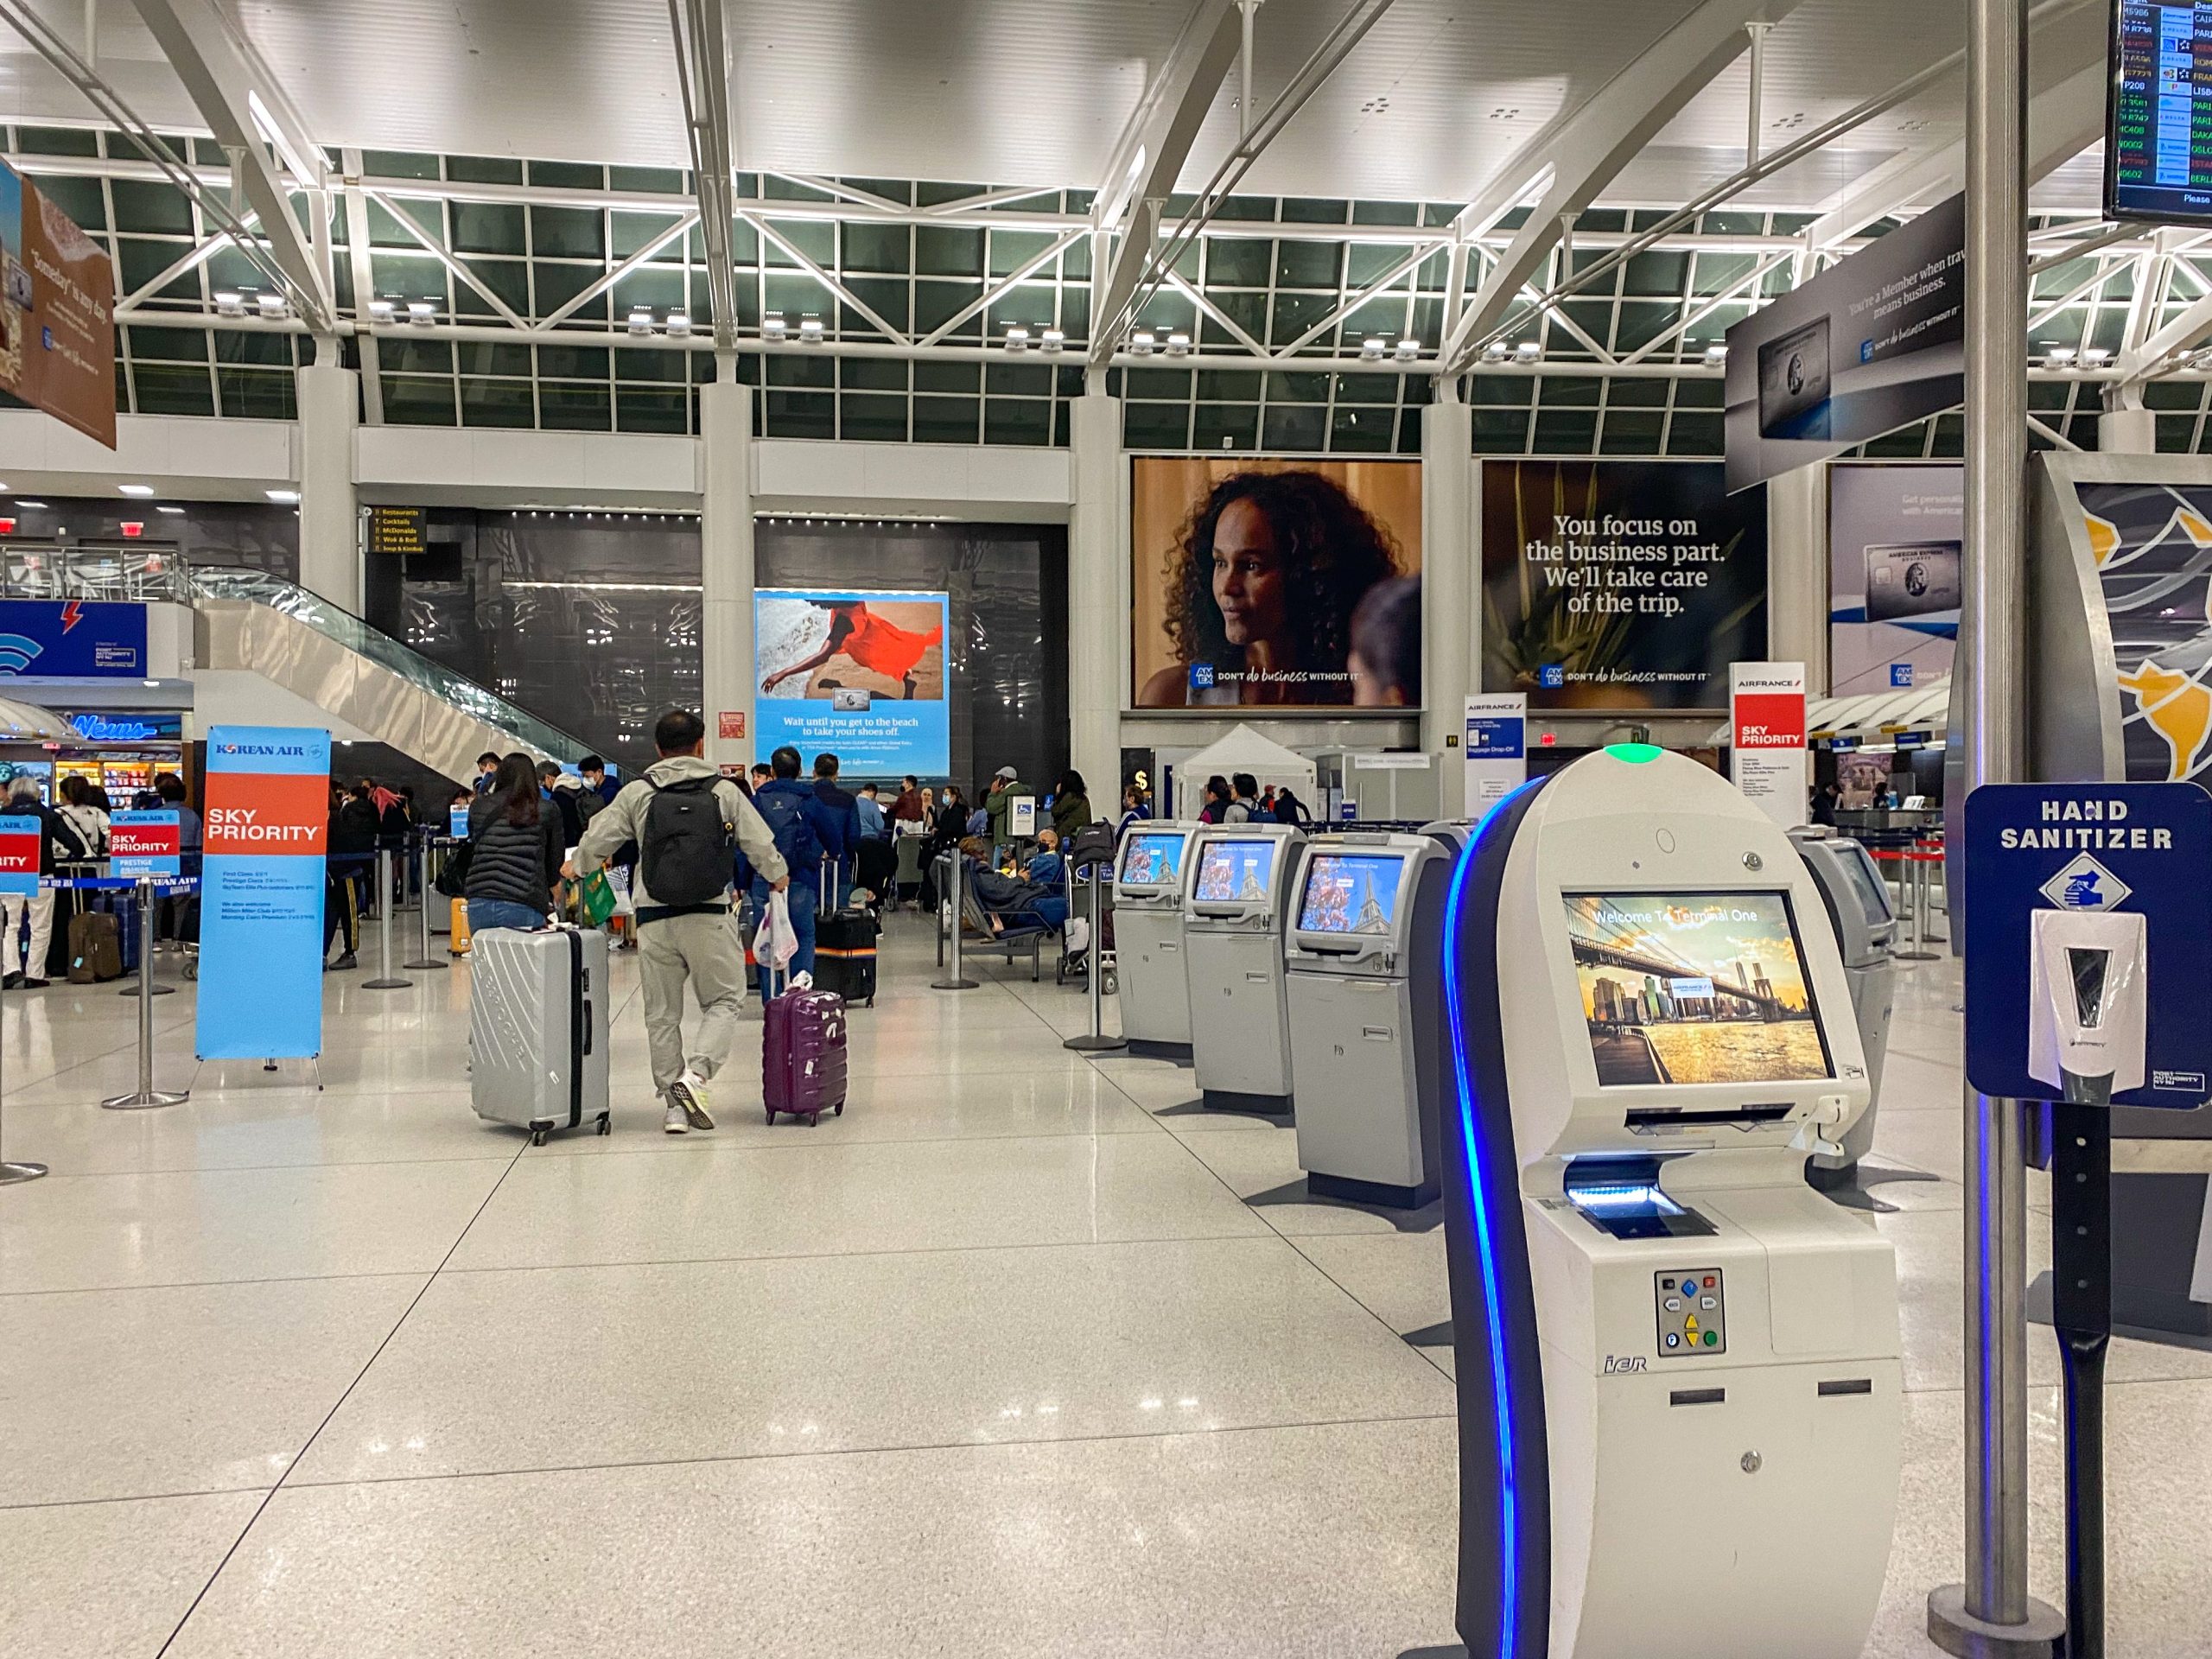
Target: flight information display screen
{"points": [[2158, 124], [1686, 987], [1351, 892], [1152, 858], [1236, 871]]}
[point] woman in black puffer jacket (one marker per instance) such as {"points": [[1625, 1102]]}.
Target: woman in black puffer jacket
{"points": [[515, 851]]}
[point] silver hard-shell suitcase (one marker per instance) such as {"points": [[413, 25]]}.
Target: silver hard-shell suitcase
{"points": [[538, 1023]]}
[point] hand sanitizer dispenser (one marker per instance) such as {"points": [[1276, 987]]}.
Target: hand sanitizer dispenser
{"points": [[2088, 989]]}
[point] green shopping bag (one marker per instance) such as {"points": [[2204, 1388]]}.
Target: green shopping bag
{"points": [[595, 899]]}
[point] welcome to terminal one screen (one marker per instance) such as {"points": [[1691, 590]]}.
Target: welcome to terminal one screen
{"points": [[1689, 987]]}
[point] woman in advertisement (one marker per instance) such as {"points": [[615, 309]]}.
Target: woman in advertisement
{"points": [[1263, 584], [880, 646]]}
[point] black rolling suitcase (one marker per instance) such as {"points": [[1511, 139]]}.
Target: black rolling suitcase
{"points": [[844, 945]]}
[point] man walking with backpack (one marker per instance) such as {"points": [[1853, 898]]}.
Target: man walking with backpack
{"points": [[690, 823]]}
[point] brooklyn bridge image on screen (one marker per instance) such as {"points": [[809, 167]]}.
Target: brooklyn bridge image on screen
{"points": [[1694, 988]]}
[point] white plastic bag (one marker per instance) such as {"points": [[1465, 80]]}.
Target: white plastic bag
{"points": [[777, 942]]}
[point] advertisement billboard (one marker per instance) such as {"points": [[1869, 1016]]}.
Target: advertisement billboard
{"points": [[1624, 585], [57, 323], [72, 639], [1895, 536], [1866, 346], [857, 674], [1258, 584]]}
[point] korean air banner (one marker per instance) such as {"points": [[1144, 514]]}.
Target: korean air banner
{"points": [[268, 807]]}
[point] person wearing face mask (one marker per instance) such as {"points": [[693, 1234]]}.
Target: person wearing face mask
{"points": [[1263, 586]]}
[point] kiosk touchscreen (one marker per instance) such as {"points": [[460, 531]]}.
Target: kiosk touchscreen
{"points": [[1858, 904], [1680, 1386], [1236, 894], [1364, 908], [1148, 879]]}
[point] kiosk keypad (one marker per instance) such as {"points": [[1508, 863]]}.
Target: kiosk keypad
{"points": [[1692, 1309]]}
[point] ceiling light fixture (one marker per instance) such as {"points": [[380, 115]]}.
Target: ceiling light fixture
{"points": [[168, 509], [1142, 342], [2061, 354], [771, 326], [135, 489], [1052, 340], [1017, 338], [641, 320], [1527, 352], [1716, 355], [679, 324], [22, 501], [288, 497], [2094, 355], [1178, 344], [274, 307], [228, 305], [1408, 349], [1495, 351], [810, 330], [1371, 348], [380, 310], [421, 313]]}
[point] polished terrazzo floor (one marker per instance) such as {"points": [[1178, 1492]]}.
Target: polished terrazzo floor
{"points": [[1019, 1357]]}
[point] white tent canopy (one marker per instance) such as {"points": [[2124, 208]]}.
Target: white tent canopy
{"points": [[1242, 750]]}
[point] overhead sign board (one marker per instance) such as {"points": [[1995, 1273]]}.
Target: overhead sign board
{"points": [[72, 639], [2139, 847], [396, 532], [1864, 347], [57, 319]]}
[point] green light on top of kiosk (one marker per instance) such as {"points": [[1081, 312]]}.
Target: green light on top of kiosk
{"points": [[1637, 754]]}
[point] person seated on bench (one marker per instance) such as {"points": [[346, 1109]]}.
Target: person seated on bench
{"points": [[1008, 900], [1047, 868]]}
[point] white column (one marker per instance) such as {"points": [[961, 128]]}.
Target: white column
{"points": [[1098, 619], [1451, 640], [2127, 432], [1797, 572], [726, 567], [330, 507]]}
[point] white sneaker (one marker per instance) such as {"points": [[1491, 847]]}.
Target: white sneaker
{"points": [[688, 1094], [674, 1122]]}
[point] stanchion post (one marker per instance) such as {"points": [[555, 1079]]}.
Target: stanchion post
{"points": [[1097, 1041], [385, 980], [424, 960], [146, 1094], [145, 943], [11, 1173], [953, 980]]}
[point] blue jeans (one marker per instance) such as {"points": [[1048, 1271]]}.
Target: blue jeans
{"points": [[803, 899], [504, 913]]}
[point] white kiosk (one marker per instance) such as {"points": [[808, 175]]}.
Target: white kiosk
{"points": [[1364, 908], [1237, 888], [1858, 904], [1148, 939], [1679, 1390]]}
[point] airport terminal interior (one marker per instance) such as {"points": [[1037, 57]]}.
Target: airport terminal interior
{"points": [[1149, 828]]}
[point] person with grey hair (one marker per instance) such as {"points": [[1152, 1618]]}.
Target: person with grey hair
{"points": [[57, 842]]}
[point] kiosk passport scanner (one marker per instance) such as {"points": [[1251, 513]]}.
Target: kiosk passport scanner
{"points": [[1679, 1387], [1857, 906], [1364, 908], [1234, 895], [1148, 939]]}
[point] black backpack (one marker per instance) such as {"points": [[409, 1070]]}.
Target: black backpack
{"points": [[687, 848]]}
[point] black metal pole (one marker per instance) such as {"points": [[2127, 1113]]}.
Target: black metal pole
{"points": [[2080, 1256]]}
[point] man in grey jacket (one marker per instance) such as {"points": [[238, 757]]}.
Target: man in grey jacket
{"points": [[696, 941]]}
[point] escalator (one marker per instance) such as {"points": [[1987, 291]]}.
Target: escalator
{"points": [[265, 651]]}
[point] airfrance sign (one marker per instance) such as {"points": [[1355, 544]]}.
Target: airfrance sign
{"points": [[2142, 848]]}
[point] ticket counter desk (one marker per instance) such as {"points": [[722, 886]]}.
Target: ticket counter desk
{"points": [[1148, 939], [1364, 908], [1236, 893], [1679, 1384]]}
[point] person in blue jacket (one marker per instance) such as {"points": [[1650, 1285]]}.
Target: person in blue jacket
{"points": [[805, 829]]}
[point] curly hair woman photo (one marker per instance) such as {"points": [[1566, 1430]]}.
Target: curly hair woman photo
{"points": [[1262, 586]]}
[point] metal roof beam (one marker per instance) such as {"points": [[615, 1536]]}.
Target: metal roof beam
{"points": [[1590, 148], [1149, 157], [2063, 120], [702, 74], [254, 122]]}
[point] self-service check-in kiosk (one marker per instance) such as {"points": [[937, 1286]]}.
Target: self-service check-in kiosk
{"points": [[1364, 909], [1858, 904], [1678, 1364], [1148, 939], [1234, 895]]}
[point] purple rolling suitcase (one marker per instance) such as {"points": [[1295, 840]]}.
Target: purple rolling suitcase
{"points": [[803, 1055]]}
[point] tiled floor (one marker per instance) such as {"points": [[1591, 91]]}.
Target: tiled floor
{"points": [[1014, 1358]]}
